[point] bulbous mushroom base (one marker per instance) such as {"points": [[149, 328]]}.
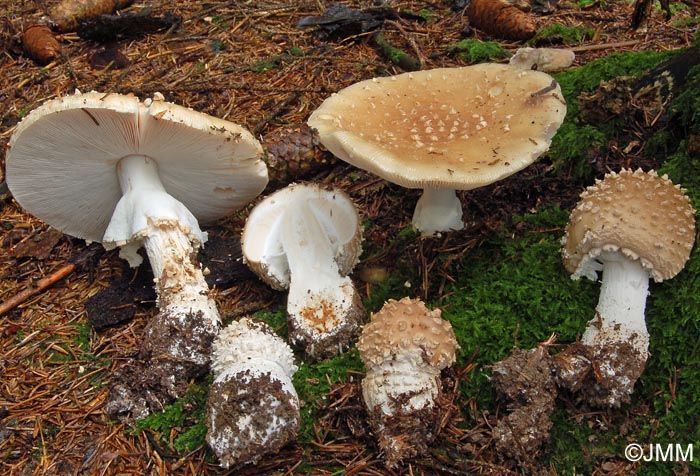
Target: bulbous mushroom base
{"points": [[250, 413], [605, 375], [404, 409], [174, 352], [325, 322], [406, 433]]}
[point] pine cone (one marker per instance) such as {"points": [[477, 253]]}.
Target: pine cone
{"points": [[295, 154], [40, 44], [500, 19]]}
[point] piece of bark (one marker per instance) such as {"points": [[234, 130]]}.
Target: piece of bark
{"points": [[40, 44], [501, 19]]}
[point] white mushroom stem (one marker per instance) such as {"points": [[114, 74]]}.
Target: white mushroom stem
{"points": [[385, 386], [621, 305], [438, 209], [170, 235], [320, 300]]}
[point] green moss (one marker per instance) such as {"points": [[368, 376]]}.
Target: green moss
{"points": [[686, 22], [561, 34], [577, 141], [275, 319], [516, 292], [587, 3], [186, 416], [397, 56], [313, 381], [472, 50]]}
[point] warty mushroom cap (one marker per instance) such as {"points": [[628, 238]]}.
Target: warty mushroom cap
{"points": [[458, 128], [641, 215], [62, 159], [408, 327], [261, 241]]}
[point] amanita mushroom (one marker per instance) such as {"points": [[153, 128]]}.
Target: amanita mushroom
{"points": [[404, 348], [112, 169], [630, 226], [252, 407], [443, 130], [307, 238]]}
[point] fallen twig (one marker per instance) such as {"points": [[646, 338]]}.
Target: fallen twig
{"points": [[37, 287], [605, 46], [80, 260]]}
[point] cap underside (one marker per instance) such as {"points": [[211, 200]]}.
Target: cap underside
{"points": [[61, 162]]}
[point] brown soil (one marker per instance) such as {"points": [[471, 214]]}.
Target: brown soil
{"points": [[237, 61], [525, 381], [582, 369], [233, 399]]}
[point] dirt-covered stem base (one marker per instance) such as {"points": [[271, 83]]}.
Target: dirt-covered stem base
{"points": [[177, 341], [617, 337]]}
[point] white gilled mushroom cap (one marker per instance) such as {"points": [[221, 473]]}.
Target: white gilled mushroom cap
{"points": [[262, 241], [404, 347], [307, 238], [62, 161], [252, 408], [630, 226], [443, 130], [108, 168]]}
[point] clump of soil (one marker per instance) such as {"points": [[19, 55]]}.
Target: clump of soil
{"points": [[529, 382], [173, 353], [250, 414], [602, 376], [223, 258], [525, 380], [408, 432], [117, 304]]}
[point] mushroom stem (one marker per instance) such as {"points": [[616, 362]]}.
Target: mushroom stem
{"points": [[621, 305], [386, 386], [177, 341], [182, 289], [438, 209], [170, 234], [617, 337], [323, 307]]}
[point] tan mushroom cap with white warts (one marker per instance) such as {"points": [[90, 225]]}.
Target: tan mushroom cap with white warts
{"points": [[458, 128], [408, 326], [641, 215]]}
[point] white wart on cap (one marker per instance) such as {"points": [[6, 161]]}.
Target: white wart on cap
{"points": [[112, 169], [630, 226], [307, 238], [443, 130]]}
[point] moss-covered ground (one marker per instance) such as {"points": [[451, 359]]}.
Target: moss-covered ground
{"points": [[500, 282], [512, 291]]}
